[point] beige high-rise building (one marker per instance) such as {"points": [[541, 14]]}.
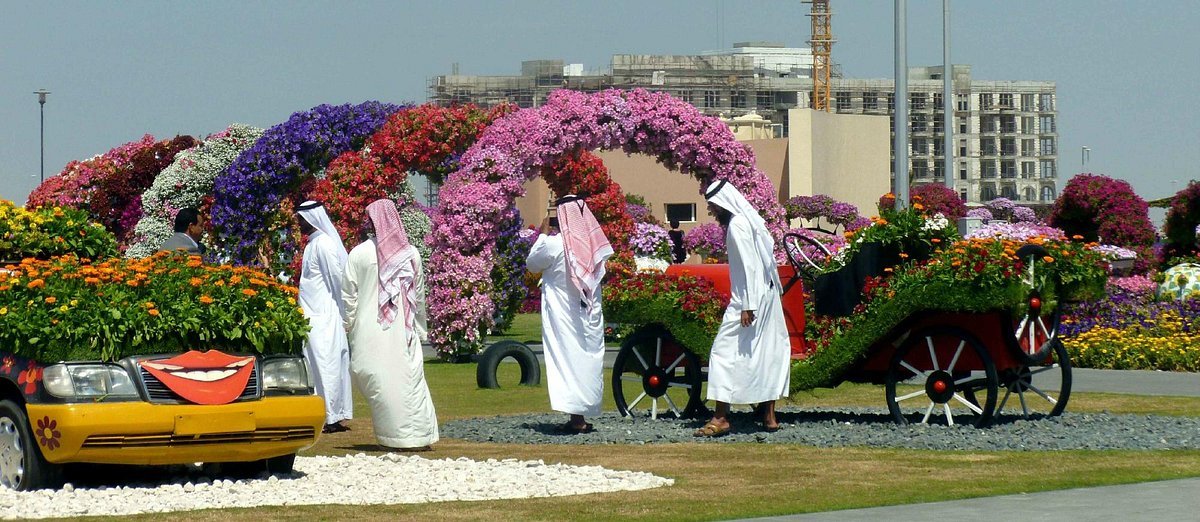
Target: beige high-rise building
{"points": [[1005, 131]]}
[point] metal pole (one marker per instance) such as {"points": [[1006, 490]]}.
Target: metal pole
{"points": [[42, 110], [900, 116], [42, 113], [948, 103]]}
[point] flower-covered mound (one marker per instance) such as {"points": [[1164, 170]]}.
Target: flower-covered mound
{"points": [[50, 231], [68, 308], [1129, 330]]}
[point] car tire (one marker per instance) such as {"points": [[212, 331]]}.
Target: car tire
{"points": [[22, 466], [489, 361]]}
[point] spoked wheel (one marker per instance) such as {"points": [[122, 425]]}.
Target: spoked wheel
{"points": [[1035, 329], [1032, 397], [952, 367], [654, 376], [807, 255]]}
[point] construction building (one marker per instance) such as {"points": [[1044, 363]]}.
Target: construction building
{"points": [[1005, 130]]}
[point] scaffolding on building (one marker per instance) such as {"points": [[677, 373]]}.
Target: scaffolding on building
{"points": [[822, 45]]}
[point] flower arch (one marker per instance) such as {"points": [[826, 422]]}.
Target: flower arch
{"points": [[187, 182], [248, 199], [424, 139], [517, 147]]}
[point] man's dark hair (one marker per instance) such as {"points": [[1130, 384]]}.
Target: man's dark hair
{"points": [[186, 218], [674, 223]]}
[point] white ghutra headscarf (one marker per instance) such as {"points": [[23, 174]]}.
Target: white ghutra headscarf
{"points": [[314, 213], [723, 194]]}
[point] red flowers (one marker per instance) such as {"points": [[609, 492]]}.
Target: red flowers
{"points": [[426, 139], [29, 377]]}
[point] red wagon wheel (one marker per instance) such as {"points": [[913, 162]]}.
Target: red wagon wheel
{"points": [[653, 375], [1035, 324], [1033, 396], [952, 367]]}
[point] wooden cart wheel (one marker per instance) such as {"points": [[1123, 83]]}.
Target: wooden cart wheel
{"points": [[1035, 327], [806, 266], [652, 375], [950, 378], [1032, 397]]}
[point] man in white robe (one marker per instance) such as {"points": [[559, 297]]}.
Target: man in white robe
{"points": [[572, 266], [750, 356], [326, 348], [383, 293]]}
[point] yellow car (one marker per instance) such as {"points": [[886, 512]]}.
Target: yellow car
{"points": [[251, 412]]}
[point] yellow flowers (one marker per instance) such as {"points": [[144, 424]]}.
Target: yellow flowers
{"points": [[3, 310]]}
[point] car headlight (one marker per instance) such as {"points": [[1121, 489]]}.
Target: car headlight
{"points": [[285, 373], [88, 381]]}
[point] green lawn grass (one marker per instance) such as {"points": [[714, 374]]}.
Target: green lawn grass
{"points": [[526, 328], [720, 481]]}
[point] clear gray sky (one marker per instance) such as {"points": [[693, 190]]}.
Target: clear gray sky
{"points": [[1128, 72]]}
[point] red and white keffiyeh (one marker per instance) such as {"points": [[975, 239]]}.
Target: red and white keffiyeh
{"points": [[585, 246], [397, 264]]}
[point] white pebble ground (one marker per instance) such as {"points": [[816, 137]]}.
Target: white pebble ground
{"points": [[353, 479]]}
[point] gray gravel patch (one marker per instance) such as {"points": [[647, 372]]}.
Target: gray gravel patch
{"points": [[854, 427]]}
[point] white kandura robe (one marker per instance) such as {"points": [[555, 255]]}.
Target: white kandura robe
{"points": [[326, 348], [749, 364], [388, 365], [572, 335]]}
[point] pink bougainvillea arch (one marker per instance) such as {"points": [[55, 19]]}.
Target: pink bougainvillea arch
{"points": [[517, 148]]}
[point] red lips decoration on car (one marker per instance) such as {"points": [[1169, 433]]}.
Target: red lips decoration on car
{"points": [[208, 377]]}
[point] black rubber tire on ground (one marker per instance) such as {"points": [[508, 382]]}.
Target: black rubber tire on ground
{"points": [[19, 449], [489, 361]]}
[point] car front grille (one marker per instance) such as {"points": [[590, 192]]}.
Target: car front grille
{"points": [[158, 392]]}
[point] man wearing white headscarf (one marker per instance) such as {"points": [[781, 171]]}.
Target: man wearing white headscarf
{"points": [[572, 266], [383, 293], [749, 363], [326, 348]]}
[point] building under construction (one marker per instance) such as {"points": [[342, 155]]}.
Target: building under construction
{"points": [[1006, 131]]}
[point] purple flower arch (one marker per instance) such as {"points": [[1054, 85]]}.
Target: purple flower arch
{"points": [[516, 148], [248, 195]]}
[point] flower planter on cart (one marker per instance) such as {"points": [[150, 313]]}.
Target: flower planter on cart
{"points": [[936, 365]]}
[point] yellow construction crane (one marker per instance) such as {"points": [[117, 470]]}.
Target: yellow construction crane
{"points": [[821, 43]]}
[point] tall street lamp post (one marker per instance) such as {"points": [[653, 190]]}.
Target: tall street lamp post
{"points": [[1084, 155], [42, 109]]}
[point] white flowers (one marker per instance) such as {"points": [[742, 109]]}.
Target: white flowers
{"points": [[937, 222], [184, 183], [650, 264]]}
